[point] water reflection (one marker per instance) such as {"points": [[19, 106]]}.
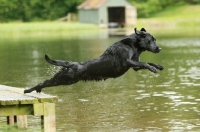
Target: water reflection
{"points": [[137, 101]]}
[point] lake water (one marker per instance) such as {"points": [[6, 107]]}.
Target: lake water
{"points": [[136, 101]]}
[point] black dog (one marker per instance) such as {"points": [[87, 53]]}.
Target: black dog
{"points": [[114, 62]]}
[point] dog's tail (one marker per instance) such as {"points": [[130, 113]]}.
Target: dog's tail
{"points": [[58, 62]]}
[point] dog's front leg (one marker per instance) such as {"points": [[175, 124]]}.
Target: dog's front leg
{"points": [[137, 68], [159, 67], [141, 65]]}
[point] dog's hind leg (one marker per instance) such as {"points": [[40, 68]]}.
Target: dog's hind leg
{"points": [[63, 77], [39, 87], [49, 83]]}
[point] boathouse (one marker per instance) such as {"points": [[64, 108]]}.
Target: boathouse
{"points": [[107, 12]]}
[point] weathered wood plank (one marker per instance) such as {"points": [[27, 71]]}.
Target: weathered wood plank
{"points": [[43, 97], [16, 105], [38, 109], [11, 96], [49, 117], [11, 110], [4, 101], [11, 120], [22, 121]]}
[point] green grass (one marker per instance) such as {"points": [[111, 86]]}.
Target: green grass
{"points": [[46, 30], [45, 27], [174, 21], [189, 11]]}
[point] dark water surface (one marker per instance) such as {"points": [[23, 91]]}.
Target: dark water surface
{"points": [[136, 101]]}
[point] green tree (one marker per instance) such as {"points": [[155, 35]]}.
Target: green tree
{"points": [[146, 8], [36, 10]]}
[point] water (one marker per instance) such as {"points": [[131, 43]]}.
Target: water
{"points": [[136, 101]]}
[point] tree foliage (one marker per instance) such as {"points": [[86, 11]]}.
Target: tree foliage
{"points": [[147, 7], [38, 10]]}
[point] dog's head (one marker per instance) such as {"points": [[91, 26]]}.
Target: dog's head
{"points": [[147, 41]]}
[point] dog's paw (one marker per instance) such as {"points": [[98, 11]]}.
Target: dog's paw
{"points": [[153, 69], [32, 89], [160, 67], [38, 90], [27, 91]]}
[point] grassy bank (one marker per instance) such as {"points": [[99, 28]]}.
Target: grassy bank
{"points": [[174, 21], [45, 27], [46, 30]]}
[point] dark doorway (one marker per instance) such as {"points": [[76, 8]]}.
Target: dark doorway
{"points": [[116, 15]]}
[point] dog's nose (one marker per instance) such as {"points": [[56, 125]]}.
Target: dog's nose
{"points": [[158, 49]]}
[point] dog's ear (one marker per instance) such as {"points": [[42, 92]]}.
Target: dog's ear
{"points": [[136, 32], [140, 33], [142, 29]]}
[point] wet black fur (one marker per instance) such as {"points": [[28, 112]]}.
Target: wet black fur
{"points": [[114, 62]]}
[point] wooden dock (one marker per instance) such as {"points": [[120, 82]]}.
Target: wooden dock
{"points": [[15, 106]]}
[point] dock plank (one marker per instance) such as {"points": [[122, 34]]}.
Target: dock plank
{"points": [[15, 104], [11, 95]]}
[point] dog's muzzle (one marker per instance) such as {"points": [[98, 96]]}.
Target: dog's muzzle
{"points": [[158, 49]]}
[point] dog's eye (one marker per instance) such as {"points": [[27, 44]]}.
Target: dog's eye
{"points": [[150, 42], [153, 39]]}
